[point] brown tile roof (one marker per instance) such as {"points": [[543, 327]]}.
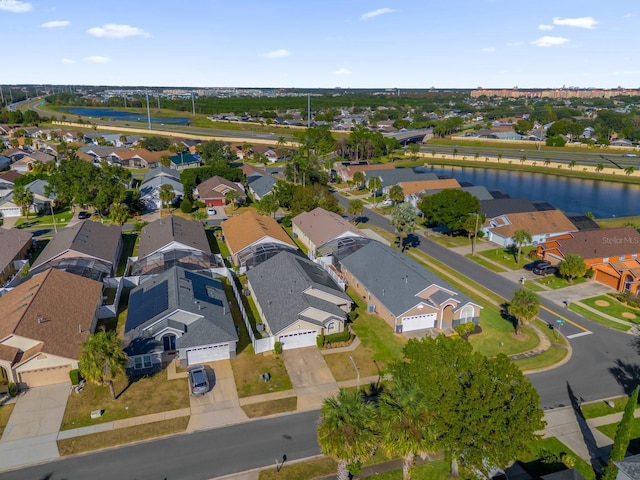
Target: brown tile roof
{"points": [[10, 176], [600, 243], [162, 232], [421, 185], [217, 187], [320, 226], [85, 156], [243, 230], [549, 221], [55, 307], [250, 170], [86, 238], [351, 169], [8, 353], [148, 155], [12, 241]]}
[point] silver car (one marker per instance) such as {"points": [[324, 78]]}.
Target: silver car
{"points": [[198, 381]]}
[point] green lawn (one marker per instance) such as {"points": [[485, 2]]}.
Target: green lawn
{"points": [[600, 408], [128, 245], [62, 217], [449, 241], [556, 282], [544, 457], [488, 265], [498, 335], [597, 318], [549, 357], [634, 445], [507, 257], [609, 305]]}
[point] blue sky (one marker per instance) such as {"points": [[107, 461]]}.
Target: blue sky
{"points": [[323, 44]]}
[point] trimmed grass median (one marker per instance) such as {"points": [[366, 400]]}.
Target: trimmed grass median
{"points": [[262, 409], [598, 318], [612, 307]]}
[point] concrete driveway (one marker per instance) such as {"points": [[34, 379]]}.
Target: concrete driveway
{"points": [[30, 435], [220, 405], [311, 378]]}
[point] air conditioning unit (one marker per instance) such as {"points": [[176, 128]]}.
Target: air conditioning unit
{"points": [[246, 292], [371, 308]]}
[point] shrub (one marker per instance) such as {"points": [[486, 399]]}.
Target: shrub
{"points": [[74, 375], [199, 204], [320, 341], [286, 221], [589, 274], [351, 316], [277, 348], [186, 206], [465, 329], [338, 337], [138, 226], [13, 389]]}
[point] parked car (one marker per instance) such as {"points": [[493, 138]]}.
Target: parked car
{"points": [[387, 202], [545, 270], [631, 155], [84, 215], [536, 264], [198, 381], [211, 211]]}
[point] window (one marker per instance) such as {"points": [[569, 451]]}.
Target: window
{"points": [[331, 326], [143, 361], [467, 314], [169, 343]]}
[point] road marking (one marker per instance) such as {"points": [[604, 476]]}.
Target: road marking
{"points": [[565, 319], [582, 334]]}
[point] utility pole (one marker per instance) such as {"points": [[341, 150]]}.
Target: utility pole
{"points": [[124, 97], [148, 110], [193, 103], [308, 111], [10, 94], [158, 101], [1, 95], [475, 234]]}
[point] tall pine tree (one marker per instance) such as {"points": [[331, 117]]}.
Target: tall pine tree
{"points": [[623, 436]]}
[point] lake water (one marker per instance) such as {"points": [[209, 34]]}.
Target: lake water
{"points": [[571, 195], [120, 115]]}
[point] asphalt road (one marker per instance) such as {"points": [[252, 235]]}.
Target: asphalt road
{"points": [[604, 363], [196, 456]]}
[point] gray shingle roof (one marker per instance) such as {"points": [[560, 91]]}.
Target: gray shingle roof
{"points": [[630, 466], [321, 226], [501, 206], [162, 170], [12, 241], [279, 284], [187, 291], [397, 175], [87, 238], [150, 185], [263, 185], [162, 232], [395, 279]]}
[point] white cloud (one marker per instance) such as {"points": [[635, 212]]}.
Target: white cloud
{"points": [[542, 26], [582, 22], [68, 61], [547, 41], [56, 24], [341, 72], [488, 50], [112, 30], [15, 6], [278, 53], [629, 15], [514, 44], [375, 13], [97, 59]]}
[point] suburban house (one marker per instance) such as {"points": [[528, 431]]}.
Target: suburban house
{"points": [[394, 176], [613, 254], [346, 170], [173, 241], [262, 186], [317, 227], [44, 323], [15, 245], [252, 172], [150, 190], [503, 206], [41, 202], [5, 162], [213, 191], [161, 171], [7, 182], [297, 300], [139, 158], [540, 224], [90, 249], [184, 160], [254, 238], [405, 294], [25, 163], [179, 314]]}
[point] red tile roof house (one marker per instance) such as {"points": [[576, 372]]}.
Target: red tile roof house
{"points": [[43, 324], [317, 227], [541, 225], [14, 245], [213, 191]]}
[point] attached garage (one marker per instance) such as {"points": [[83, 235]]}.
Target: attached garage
{"points": [[10, 212], [209, 353], [305, 338], [418, 322], [45, 376]]}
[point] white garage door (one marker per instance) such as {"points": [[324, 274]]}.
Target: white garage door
{"points": [[417, 322], [10, 212], [306, 338], [46, 376], [208, 354]]}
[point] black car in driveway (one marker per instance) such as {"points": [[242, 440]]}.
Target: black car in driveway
{"points": [[536, 264], [84, 215], [545, 270]]}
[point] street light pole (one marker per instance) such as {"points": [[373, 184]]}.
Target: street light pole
{"points": [[357, 371], [475, 234]]}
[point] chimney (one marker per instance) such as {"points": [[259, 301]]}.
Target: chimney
{"points": [[40, 319], [79, 328]]}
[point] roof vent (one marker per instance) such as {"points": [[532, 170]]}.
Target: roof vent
{"points": [[79, 328], [40, 318]]}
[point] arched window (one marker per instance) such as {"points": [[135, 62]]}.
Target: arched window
{"points": [[466, 315]]}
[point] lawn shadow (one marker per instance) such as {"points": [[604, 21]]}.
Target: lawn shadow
{"points": [[504, 313], [626, 374]]}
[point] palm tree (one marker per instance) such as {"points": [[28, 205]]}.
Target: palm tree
{"points": [[102, 359], [523, 158], [521, 236], [547, 162], [166, 194], [396, 194], [599, 167], [346, 431], [374, 185], [629, 170], [524, 306], [404, 424], [232, 197], [455, 152], [354, 209], [499, 157], [358, 179], [281, 142], [119, 212], [23, 199], [572, 164]]}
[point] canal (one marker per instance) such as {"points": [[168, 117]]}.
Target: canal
{"points": [[574, 196]]}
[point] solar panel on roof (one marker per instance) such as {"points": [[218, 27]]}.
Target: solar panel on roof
{"points": [[200, 284], [146, 304]]}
